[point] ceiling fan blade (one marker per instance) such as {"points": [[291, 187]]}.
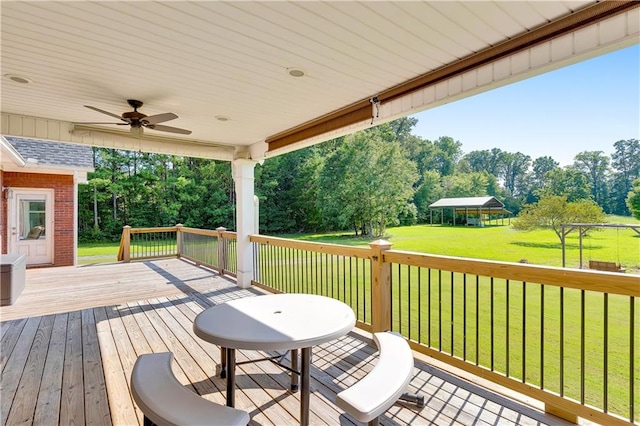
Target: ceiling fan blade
{"points": [[105, 112], [95, 122], [159, 118], [169, 129]]}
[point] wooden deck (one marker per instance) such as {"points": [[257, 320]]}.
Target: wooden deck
{"points": [[71, 339]]}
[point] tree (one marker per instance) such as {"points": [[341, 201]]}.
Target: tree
{"points": [[626, 164], [490, 161], [429, 191], [367, 183], [633, 199], [550, 212], [595, 166], [569, 182], [447, 153], [514, 172]]}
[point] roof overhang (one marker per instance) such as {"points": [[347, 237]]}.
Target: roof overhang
{"points": [[235, 57], [12, 161]]}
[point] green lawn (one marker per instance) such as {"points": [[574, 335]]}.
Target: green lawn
{"points": [[541, 247]]}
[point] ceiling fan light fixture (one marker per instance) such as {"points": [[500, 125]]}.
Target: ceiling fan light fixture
{"points": [[17, 78], [296, 72]]}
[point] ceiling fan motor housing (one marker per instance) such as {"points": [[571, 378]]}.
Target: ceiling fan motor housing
{"points": [[133, 116]]}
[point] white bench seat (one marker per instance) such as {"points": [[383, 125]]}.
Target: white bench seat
{"points": [[384, 385], [166, 402]]}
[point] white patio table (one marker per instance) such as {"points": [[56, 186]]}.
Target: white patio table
{"points": [[278, 322]]}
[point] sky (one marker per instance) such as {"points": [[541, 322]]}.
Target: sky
{"points": [[587, 106]]}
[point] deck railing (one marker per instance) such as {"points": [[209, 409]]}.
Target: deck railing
{"points": [[213, 248], [566, 337]]}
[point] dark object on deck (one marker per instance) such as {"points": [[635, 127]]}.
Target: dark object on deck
{"points": [[13, 276]]}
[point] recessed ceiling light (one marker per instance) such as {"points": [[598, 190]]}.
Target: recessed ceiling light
{"points": [[222, 118], [295, 72], [17, 78]]}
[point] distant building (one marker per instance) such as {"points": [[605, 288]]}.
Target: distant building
{"points": [[471, 211]]}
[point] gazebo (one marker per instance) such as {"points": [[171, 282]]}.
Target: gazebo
{"points": [[477, 211]]}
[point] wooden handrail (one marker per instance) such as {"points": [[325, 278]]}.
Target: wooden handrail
{"points": [[605, 282], [359, 252]]}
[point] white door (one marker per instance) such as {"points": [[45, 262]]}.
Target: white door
{"points": [[31, 224]]}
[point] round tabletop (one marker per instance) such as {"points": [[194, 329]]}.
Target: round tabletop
{"points": [[275, 322]]}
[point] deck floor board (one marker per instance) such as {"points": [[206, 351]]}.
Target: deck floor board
{"points": [[70, 341]]}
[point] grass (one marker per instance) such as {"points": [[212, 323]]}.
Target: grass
{"points": [[541, 247], [503, 243]]}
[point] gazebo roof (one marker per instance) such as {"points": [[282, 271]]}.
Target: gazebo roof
{"points": [[468, 202]]}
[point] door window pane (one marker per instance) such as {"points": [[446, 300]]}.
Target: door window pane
{"points": [[32, 218]]}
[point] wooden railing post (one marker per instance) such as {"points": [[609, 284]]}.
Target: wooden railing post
{"points": [[222, 250], [561, 412], [125, 243], [179, 236], [380, 287]]}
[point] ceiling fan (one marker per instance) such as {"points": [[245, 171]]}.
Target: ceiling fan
{"points": [[138, 120]]}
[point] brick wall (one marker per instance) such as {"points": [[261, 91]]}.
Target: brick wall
{"points": [[63, 246]]}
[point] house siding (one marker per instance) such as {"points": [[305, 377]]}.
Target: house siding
{"points": [[63, 186]]}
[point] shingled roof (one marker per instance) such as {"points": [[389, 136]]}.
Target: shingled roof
{"points": [[53, 153]]}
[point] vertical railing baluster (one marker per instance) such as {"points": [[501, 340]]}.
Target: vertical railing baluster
{"points": [[582, 342], [524, 331], [452, 301], [419, 313], [391, 296], [464, 316], [272, 268], [429, 307], [507, 372], [493, 342], [315, 267], [605, 360], [439, 309], [358, 289], [399, 298], [561, 341], [477, 319], [632, 354], [344, 279], [542, 337], [409, 324], [364, 293], [326, 273]]}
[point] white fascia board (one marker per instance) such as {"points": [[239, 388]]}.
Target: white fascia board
{"points": [[8, 149]]}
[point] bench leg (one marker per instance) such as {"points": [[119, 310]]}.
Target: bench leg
{"points": [[148, 422], [374, 422]]}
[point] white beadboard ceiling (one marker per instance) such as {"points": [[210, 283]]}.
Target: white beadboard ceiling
{"points": [[205, 59]]}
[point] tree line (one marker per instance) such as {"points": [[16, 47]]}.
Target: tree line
{"points": [[364, 182]]}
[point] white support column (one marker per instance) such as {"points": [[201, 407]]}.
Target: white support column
{"points": [[245, 218]]}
